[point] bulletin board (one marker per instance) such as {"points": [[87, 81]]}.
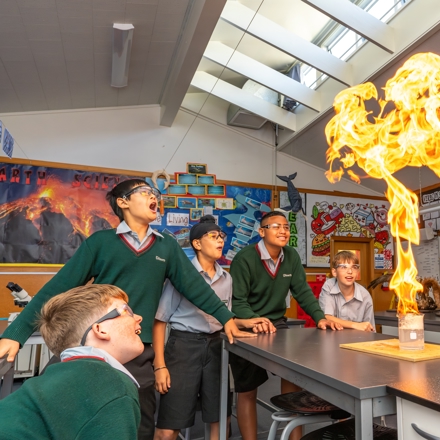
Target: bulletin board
{"points": [[241, 222], [46, 212], [329, 215]]}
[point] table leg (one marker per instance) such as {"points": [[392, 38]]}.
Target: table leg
{"points": [[224, 392], [364, 419]]}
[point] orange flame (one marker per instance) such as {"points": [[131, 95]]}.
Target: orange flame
{"points": [[62, 198], [409, 135]]}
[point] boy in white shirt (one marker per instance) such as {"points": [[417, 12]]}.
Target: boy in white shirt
{"points": [[342, 299], [190, 364]]}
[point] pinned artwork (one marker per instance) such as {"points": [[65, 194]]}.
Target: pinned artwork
{"points": [[348, 217]]}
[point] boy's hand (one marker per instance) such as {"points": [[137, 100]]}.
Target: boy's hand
{"points": [[258, 325], [363, 326], [10, 347], [232, 332], [325, 323], [163, 380]]}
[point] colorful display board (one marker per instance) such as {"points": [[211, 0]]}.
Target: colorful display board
{"points": [[350, 217]]}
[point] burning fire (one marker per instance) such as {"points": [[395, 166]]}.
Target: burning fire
{"points": [[408, 135], [62, 198]]}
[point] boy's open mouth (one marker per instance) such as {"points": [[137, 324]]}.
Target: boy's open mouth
{"points": [[153, 206]]}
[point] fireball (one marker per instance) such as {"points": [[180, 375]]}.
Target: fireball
{"points": [[409, 135]]}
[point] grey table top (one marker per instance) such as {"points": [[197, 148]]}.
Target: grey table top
{"points": [[431, 319], [424, 390], [317, 355]]}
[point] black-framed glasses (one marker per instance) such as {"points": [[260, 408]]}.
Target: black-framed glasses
{"points": [[215, 235], [345, 267], [124, 309], [277, 226], [145, 191]]}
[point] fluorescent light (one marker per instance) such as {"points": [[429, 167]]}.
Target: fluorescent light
{"points": [[122, 42]]}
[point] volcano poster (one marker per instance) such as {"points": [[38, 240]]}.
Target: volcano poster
{"points": [[46, 213]]}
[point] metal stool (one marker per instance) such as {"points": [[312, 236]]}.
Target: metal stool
{"points": [[346, 431], [7, 372], [301, 408]]}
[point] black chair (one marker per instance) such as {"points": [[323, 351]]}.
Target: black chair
{"points": [[301, 408], [346, 431]]}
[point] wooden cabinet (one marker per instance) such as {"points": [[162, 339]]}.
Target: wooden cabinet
{"points": [[426, 419]]}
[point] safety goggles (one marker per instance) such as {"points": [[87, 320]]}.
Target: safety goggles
{"points": [[277, 226], [145, 191], [215, 235], [124, 309]]}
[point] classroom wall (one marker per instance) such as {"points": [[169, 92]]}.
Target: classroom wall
{"points": [[131, 138]]}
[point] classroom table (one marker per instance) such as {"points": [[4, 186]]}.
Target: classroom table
{"points": [[312, 359]]}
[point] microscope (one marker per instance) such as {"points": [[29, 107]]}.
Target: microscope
{"points": [[21, 298]]}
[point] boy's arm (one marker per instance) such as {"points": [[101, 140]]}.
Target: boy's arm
{"points": [[369, 313], [258, 325], [76, 272], [363, 326], [241, 288], [186, 280], [163, 380]]}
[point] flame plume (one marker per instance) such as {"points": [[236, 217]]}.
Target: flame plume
{"points": [[409, 135]]}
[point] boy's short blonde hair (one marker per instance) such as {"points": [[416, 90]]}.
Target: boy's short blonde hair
{"points": [[64, 318], [344, 256]]}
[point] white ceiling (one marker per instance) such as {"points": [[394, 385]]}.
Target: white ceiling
{"points": [[56, 55]]}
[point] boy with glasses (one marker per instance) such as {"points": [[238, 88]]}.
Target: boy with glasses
{"points": [[137, 259], [342, 299], [263, 275], [89, 394], [190, 364]]}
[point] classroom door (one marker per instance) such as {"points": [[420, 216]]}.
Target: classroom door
{"points": [[363, 248]]}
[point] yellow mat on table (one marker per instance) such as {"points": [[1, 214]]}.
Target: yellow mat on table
{"points": [[390, 348]]}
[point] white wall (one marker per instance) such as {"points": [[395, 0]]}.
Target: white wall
{"points": [[132, 139]]}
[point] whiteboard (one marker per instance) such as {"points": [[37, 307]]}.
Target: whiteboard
{"points": [[427, 257]]}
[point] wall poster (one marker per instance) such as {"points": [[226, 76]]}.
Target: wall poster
{"points": [[297, 226], [351, 217], [47, 212]]}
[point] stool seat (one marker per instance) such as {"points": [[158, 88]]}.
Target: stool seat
{"points": [[346, 431], [305, 403]]}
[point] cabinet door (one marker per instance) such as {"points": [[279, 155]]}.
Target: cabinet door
{"points": [[426, 419]]}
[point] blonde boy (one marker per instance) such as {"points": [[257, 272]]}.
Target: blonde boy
{"points": [[342, 299], [89, 394]]}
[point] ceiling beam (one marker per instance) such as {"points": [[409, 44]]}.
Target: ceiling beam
{"points": [[217, 87], [358, 20], [202, 17], [271, 33], [260, 73]]}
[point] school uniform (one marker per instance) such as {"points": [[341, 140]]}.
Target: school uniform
{"points": [[357, 309], [192, 354]]}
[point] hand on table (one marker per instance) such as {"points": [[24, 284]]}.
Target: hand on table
{"points": [[9, 347], [232, 332], [363, 326], [325, 323]]}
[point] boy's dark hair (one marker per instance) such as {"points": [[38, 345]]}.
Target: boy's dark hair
{"points": [[206, 224], [119, 191], [269, 215], [344, 256]]}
